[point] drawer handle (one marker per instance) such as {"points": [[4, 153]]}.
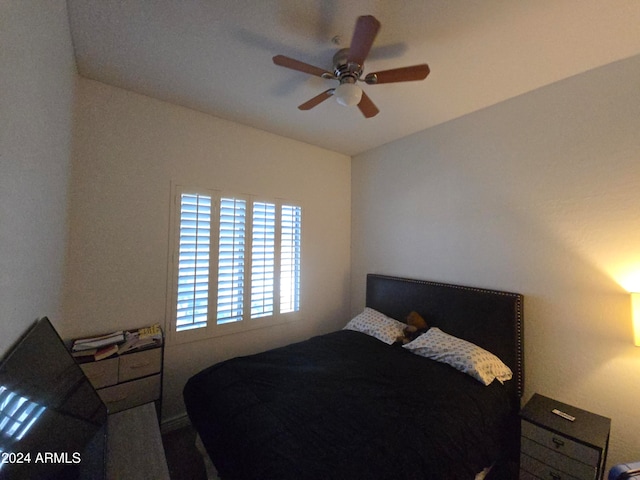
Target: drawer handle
{"points": [[558, 443], [119, 399], [139, 365]]}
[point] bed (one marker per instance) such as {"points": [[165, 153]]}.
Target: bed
{"points": [[353, 405]]}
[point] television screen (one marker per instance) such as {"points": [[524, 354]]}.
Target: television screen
{"points": [[52, 421]]}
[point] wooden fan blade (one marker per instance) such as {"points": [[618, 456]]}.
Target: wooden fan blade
{"points": [[309, 104], [405, 74], [367, 107], [364, 34], [293, 64]]}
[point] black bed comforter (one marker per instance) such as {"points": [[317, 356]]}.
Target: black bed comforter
{"points": [[345, 406]]}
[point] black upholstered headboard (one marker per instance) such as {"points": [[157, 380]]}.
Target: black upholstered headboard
{"points": [[491, 319]]}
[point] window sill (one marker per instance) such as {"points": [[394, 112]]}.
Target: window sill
{"points": [[242, 326]]}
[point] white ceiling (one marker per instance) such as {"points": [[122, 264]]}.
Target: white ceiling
{"points": [[215, 56]]}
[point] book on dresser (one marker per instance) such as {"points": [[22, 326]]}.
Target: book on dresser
{"points": [[105, 352], [83, 344]]}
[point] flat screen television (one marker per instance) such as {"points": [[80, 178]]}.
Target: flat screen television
{"points": [[53, 424]]}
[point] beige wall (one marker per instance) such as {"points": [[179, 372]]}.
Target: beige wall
{"points": [[538, 195], [37, 77], [128, 150]]}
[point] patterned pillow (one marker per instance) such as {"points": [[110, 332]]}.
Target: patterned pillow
{"points": [[377, 325], [460, 354]]}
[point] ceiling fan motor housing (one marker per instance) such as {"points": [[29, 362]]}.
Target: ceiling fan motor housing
{"points": [[344, 71]]}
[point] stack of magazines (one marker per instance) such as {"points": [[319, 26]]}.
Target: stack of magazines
{"points": [[98, 347], [141, 338], [118, 342]]}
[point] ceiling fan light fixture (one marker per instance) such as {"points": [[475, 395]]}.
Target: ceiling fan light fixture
{"points": [[348, 94]]}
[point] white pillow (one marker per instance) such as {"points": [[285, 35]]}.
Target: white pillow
{"points": [[460, 354], [377, 325]]}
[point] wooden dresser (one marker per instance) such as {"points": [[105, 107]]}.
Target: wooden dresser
{"points": [[558, 448]]}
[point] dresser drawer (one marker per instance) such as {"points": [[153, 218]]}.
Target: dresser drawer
{"points": [[103, 373], [561, 444], [139, 364], [129, 394], [541, 461]]}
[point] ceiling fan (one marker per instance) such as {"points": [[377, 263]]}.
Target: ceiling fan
{"points": [[348, 67]]}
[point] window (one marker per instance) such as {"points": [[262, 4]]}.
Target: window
{"points": [[193, 261], [263, 254], [290, 259], [231, 260], [238, 261]]}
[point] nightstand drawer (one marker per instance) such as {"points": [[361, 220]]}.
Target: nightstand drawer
{"points": [[524, 475], [139, 364], [530, 468], [545, 461], [129, 394], [103, 373], [561, 444]]}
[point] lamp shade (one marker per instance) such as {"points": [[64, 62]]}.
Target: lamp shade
{"points": [[635, 316], [348, 94]]}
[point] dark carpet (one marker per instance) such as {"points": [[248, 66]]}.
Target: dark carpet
{"points": [[183, 459], [185, 462]]}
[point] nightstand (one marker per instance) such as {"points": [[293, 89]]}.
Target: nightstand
{"points": [[553, 447]]}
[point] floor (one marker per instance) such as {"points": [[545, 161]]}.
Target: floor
{"points": [[183, 459], [185, 462]]}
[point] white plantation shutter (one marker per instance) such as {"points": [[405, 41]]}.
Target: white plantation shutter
{"points": [[291, 237], [193, 261], [231, 259], [263, 241], [250, 265]]}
